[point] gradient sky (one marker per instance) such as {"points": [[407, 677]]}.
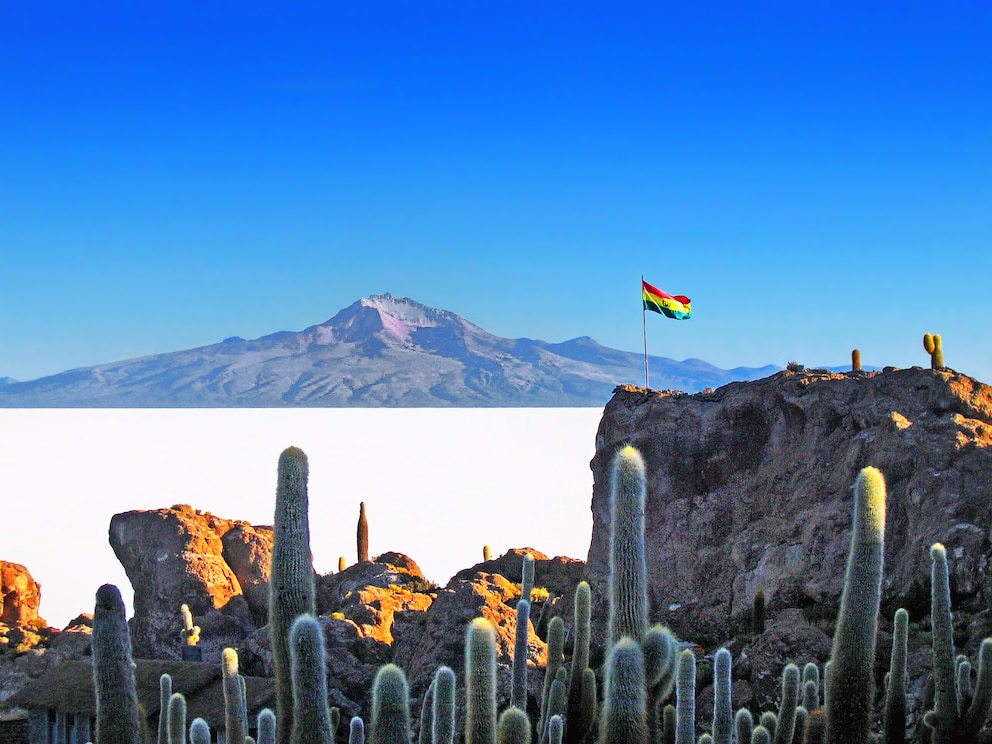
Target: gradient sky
{"points": [[815, 176]]}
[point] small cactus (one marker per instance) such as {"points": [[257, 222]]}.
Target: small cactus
{"points": [[933, 345], [856, 360], [390, 722], [513, 727], [356, 731], [443, 723], [723, 715], [266, 726], [312, 721], [199, 732], [894, 712], [362, 534], [234, 716], [487, 553], [177, 719], [190, 633], [685, 699], [342, 563], [165, 692]]}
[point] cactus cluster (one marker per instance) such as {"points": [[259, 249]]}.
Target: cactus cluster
{"points": [[934, 346]]}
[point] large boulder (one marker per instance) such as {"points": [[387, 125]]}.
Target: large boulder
{"points": [[20, 596], [177, 556], [749, 487]]}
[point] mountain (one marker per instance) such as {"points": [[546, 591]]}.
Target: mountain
{"points": [[381, 351]]}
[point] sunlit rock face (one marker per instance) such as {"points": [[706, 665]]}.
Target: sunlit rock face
{"points": [[749, 487]]}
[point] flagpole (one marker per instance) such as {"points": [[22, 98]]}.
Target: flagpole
{"points": [[644, 322]]}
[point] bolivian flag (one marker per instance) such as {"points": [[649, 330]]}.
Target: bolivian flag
{"points": [[674, 306]]}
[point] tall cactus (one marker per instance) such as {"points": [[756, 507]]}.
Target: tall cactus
{"points": [[234, 716], [685, 699], [527, 576], [556, 646], [624, 718], [894, 712], [177, 719], [574, 732], [266, 726], [426, 715], [518, 683], [164, 693], [443, 723], [291, 586], [117, 717], [788, 705], [723, 714], [480, 683], [628, 607], [390, 722], [312, 722], [362, 534], [851, 676]]}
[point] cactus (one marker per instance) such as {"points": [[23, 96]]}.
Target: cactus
{"points": [[933, 345], [266, 726], [513, 727], [624, 719], [851, 677], [856, 360], [190, 633], [164, 693], [443, 724], [685, 699], [487, 553], [668, 724], [480, 683], [816, 726], [426, 715], [555, 730], [761, 735], [312, 722], [787, 706], [758, 613], [390, 722], [556, 646], [894, 712], [342, 563], [177, 719], [659, 648], [291, 586], [362, 534], [723, 714], [117, 717], [233, 701], [518, 683], [743, 725], [811, 687], [628, 605], [580, 661], [557, 702], [799, 732], [769, 722], [199, 732], [356, 731]]}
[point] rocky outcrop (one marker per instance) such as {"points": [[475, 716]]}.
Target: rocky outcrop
{"points": [[749, 487], [20, 596], [179, 556]]}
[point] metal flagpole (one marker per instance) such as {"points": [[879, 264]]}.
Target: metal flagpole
{"points": [[644, 322]]}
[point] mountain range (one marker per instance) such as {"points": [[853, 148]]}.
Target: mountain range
{"points": [[381, 351]]}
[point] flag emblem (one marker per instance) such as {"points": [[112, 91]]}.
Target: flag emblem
{"points": [[678, 307]]}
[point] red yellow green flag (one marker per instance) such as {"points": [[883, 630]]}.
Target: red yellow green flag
{"points": [[673, 306]]}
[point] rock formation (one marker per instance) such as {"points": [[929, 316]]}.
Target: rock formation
{"points": [[20, 596], [749, 487]]}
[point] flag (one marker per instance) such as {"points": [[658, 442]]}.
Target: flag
{"points": [[674, 306]]}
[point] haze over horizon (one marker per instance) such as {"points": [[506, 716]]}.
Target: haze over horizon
{"points": [[814, 177]]}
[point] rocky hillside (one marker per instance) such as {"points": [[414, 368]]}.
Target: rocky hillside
{"points": [[380, 351]]}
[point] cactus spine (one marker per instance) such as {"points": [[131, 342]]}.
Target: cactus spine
{"points": [[164, 693], [233, 701], [177, 719], [723, 714], [312, 722], [628, 610], [443, 723], [851, 678], [685, 699], [513, 727], [785, 727], [480, 683], [362, 534], [266, 726], [117, 718], [518, 684], [291, 587], [624, 719], [199, 732], [894, 713], [390, 707]]}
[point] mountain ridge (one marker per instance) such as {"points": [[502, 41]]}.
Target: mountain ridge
{"points": [[379, 351]]}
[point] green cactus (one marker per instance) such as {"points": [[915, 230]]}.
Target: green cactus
{"points": [[743, 725], [769, 722], [574, 734], [704, 739], [117, 717], [312, 722], [518, 680], [362, 534], [659, 649], [668, 724], [894, 712], [851, 675], [685, 699], [799, 731], [788, 704], [758, 613], [177, 719], [816, 725], [555, 730], [933, 345], [480, 683], [443, 724], [557, 701], [513, 727], [426, 715], [390, 722], [266, 723], [233, 700], [761, 735], [164, 693], [624, 718], [291, 585], [199, 732], [190, 633], [556, 657], [723, 714], [356, 731], [628, 605], [811, 687]]}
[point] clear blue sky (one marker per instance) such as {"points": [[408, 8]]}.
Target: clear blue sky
{"points": [[814, 175]]}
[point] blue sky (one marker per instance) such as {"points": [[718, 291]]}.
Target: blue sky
{"points": [[815, 176]]}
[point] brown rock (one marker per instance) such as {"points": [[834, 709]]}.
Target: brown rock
{"points": [[20, 596], [248, 552], [750, 487]]}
